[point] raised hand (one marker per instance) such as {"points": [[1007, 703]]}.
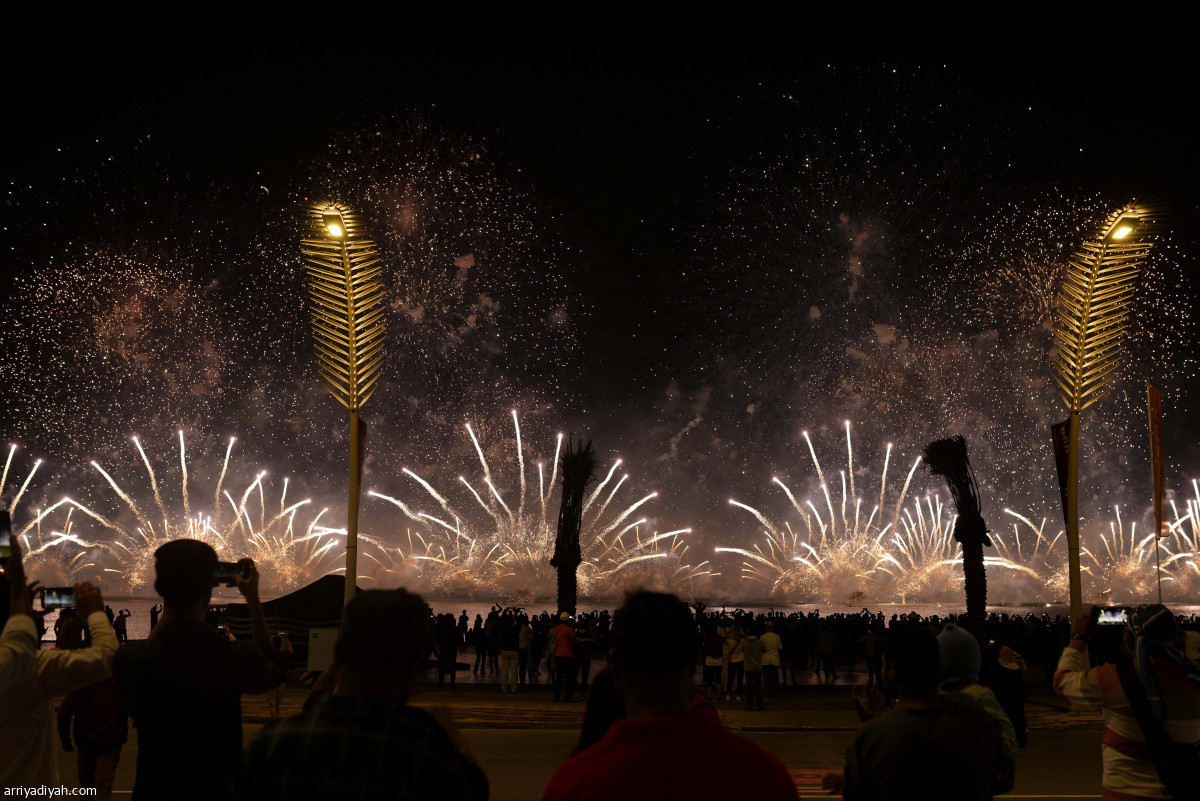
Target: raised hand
{"points": [[88, 599], [248, 585], [868, 700]]}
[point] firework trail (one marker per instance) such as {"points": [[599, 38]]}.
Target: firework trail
{"points": [[50, 556]]}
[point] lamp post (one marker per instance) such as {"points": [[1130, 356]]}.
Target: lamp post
{"points": [[348, 322], [1093, 315]]}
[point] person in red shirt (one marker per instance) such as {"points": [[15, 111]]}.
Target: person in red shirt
{"points": [[650, 753], [564, 656]]}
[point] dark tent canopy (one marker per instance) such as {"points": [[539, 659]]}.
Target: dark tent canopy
{"points": [[319, 605]]}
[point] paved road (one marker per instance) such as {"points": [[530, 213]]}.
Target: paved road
{"points": [[1057, 764], [519, 763], [521, 738]]}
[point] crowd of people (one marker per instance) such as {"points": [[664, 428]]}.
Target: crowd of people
{"points": [[651, 673]]}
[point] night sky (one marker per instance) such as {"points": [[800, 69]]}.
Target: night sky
{"points": [[677, 227]]}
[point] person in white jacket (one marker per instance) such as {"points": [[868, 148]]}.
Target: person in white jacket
{"points": [[28, 730], [18, 643]]}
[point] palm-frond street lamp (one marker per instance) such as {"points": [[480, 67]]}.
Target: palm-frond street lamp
{"points": [[348, 311], [1093, 315]]}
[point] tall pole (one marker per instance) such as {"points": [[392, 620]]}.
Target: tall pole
{"points": [[348, 309], [1073, 518], [352, 512], [1094, 307], [352, 500]]}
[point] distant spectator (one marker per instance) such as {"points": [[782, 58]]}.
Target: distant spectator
{"points": [[825, 651], [714, 655], [446, 646], [585, 646], [155, 611], [491, 638], [479, 640], [68, 630], [651, 753], [509, 656], [735, 660], [564, 658], [890, 756], [524, 644], [184, 684], [364, 740], [101, 728], [120, 625], [772, 661], [753, 649], [28, 735]]}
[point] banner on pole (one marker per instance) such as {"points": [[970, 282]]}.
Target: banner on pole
{"points": [[1154, 405], [1062, 435]]}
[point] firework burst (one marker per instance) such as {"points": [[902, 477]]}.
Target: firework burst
{"points": [[842, 552], [835, 553], [494, 542], [289, 548]]}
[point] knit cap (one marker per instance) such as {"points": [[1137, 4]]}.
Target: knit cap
{"points": [[958, 656]]}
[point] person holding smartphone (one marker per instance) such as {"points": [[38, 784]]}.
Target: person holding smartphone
{"points": [[184, 683], [28, 730], [1150, 696], [19, 642]]}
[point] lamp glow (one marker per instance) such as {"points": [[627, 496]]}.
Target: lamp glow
{"points": [[332, 220], [1122, 228]]}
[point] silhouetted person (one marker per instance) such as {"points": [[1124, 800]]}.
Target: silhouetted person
{"points": [[28, 736], [363, 740], [564, 657], [68, 630], [891, 754], [652, 751], [479, 640], [184, 684], [524, 643], [509, 652], [446, 645], [120, 625], [101, 728], [155, 611], [753, 650], [1008, 683]]}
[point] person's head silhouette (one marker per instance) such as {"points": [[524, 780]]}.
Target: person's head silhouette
{"points": [[653, 654], [384, 636]]}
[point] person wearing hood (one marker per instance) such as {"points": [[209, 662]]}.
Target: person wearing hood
{"points": [[959, 661], [1151, 703]]}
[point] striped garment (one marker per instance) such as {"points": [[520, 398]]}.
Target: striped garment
{"points": [[1129, 773]]}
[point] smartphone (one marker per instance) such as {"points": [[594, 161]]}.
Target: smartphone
{"points": [[5, 537], [58, 597], [1113, 616], [228, 573]]}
